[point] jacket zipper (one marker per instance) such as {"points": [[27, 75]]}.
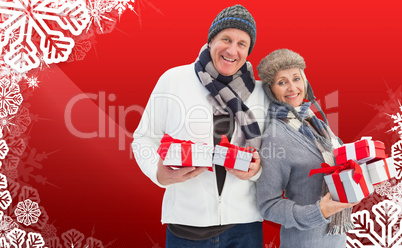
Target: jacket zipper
{"points": [[220, 209]]}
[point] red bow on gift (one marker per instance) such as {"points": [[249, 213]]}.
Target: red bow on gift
{"points": [[335, 170], [350, 164], [232, 152], [186, 156]]}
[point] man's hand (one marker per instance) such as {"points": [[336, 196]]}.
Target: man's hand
{"points": [[254, 168], [167, 175]]}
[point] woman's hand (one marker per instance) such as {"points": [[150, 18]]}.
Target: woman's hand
{"points": [[253, 170], [329, 207], [167, 175]]}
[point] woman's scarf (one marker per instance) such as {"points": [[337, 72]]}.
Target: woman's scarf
{"points": [[228, 94], [309, 125], [304, 121]]}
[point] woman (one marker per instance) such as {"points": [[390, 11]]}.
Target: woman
{"points": [[307, 214]]}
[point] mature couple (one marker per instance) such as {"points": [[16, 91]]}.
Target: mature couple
{"points": [[225, 208]]}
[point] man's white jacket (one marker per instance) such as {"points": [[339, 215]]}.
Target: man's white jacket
{"points": [[178, 106]]}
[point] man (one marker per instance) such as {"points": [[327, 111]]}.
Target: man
{"points": [[199, 102]]}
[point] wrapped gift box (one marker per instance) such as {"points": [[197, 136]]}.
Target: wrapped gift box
{"points": [[232, 156], [185, 154], [346, 183], [382, 170], [344, 188], [176, 152], [361, 151]]}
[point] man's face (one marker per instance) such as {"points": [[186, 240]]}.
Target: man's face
{"points": [[229, 50]]}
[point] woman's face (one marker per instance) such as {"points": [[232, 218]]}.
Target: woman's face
{"points": [[288, 86]]}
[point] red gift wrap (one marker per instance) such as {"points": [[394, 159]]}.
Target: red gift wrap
{"points": [[232, 152], [167, 140], [188, 152], [336, 170], [382, 170], [360, 151]]}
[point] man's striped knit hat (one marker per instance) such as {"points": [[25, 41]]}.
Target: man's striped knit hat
{"points": [[234, 17]]}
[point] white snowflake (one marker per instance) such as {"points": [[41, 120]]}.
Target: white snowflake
{"points": [[2, 63], [383, 189], [42, 61], [27, 212], [14, 35], [395, 230], [397, 118], [10, 97], [32, 82], [393, 193], [30, 17], [396, 153], [5, 199], [16, 77], [4, 243], [387, 219], [397, 193], [5, 122], [7, 71], [19, 238], [396, 196], [72, 238], [58, 3], [3, 149], [97, 10], [3, 184], [122, 5], [6, 225], [396, 149]]}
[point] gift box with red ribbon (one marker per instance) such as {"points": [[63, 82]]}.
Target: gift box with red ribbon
{"points": [[361, 151], [175, 152], [382, 170], [347, 183], [232, 156]]}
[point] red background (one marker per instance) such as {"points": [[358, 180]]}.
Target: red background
{"points": [[353, 47]]}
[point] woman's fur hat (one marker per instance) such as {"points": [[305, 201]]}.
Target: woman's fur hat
{"points": [[281, 59]]}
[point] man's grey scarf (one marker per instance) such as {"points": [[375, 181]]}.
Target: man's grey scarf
{"points": [[227, 97]]}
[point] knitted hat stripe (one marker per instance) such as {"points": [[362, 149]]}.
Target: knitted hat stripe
{"points": [[233, 18]]}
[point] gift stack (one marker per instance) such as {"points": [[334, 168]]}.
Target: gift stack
{"points": [[360, 165], [177, 153]]}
